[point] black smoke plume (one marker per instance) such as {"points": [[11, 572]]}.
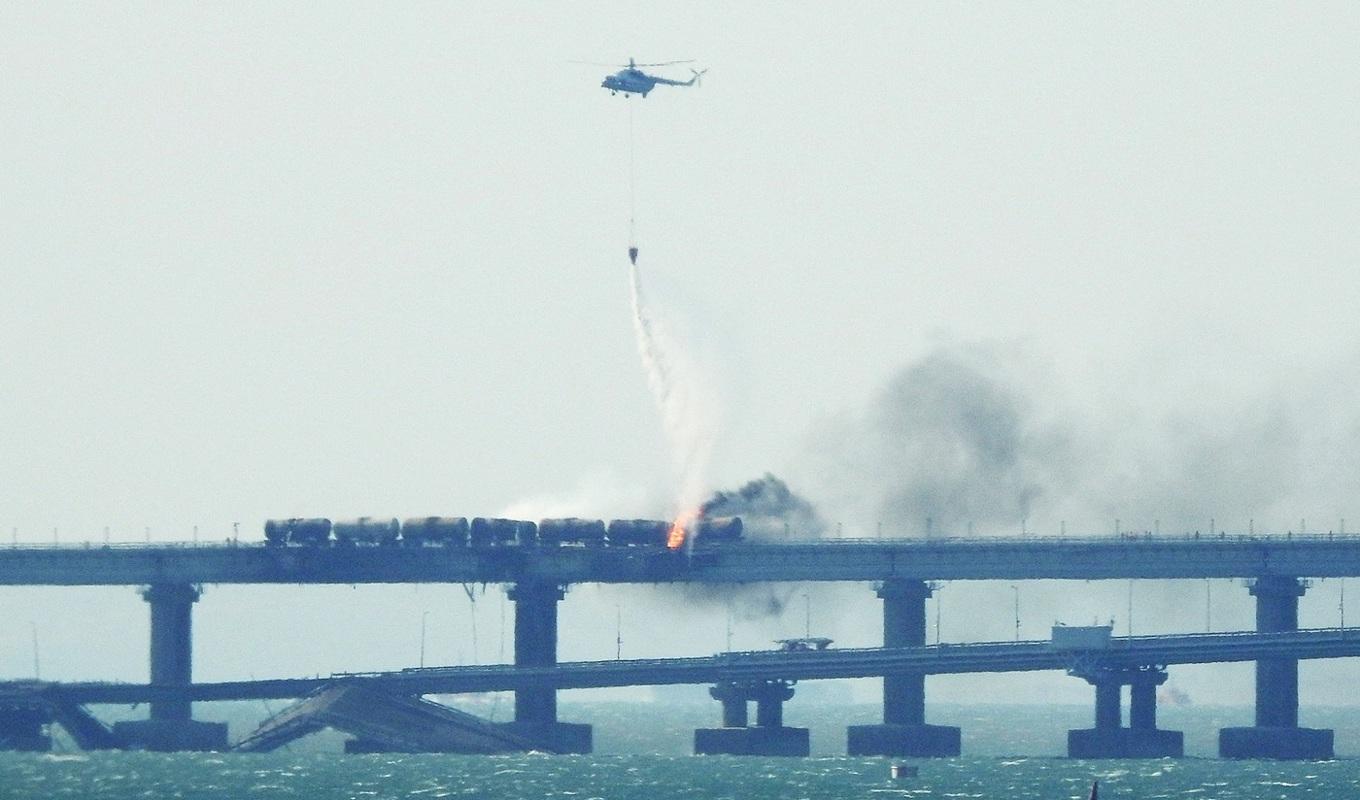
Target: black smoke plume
{"points": [[952, 444], [768, 509]]}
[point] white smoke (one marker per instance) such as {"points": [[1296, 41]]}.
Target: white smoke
{"points": [[596, 494], [683, 396]]}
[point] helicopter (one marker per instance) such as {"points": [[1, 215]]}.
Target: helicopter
{"points": [[631, 80]]}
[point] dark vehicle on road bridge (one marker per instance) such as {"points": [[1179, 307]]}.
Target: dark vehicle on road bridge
{"points": [[803, 644]]}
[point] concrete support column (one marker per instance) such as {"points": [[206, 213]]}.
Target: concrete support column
{"points": [[172, 607], [770, 697], [1108, 715], [1143, 700], [1109, 739], [536, 646], [904, 731], [171, 726], [769, 736], [904, 625], [1277, 679], [733, 699], [1277, 733]]}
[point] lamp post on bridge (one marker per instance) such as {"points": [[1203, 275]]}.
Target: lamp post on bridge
{"points": [[1016, 589], [423, 616]]}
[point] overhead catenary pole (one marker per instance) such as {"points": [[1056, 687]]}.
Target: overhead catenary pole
{"points": [[1016, 589], [423, 616], [1130, 608]]}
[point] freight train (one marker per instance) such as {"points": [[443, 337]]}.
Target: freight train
{"points": [[485, 532]]}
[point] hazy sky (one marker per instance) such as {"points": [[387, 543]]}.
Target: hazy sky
{"points": [[277, 260]]}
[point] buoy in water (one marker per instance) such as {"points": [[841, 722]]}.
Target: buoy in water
{"points": [[900, 771], [632, 255]]}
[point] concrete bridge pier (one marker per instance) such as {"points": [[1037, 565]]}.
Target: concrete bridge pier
{"points": [[769, 736], [171, 726], [1109, 739], [536, 646], [23, 727], [1276, 733], [904, 731], [734, 704]]}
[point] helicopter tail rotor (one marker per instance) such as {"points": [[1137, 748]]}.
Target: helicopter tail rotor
{"points": [[698, 74]]}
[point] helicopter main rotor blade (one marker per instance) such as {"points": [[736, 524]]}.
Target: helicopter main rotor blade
{"points": [[596, 64], [666, 63]]}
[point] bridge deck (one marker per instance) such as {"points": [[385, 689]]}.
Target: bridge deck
{"points": [[849, 663], [825, 560]]}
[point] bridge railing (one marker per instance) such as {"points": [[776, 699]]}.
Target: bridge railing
{"points": [[1204, 640], [227, 543]]}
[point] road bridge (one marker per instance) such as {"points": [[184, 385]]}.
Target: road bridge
{"points": [[937, 659], [765, 677]]}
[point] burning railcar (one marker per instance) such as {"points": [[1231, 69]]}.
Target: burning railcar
{"points": [[495, 532]]}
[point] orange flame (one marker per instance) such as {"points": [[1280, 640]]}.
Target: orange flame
{"points": [[679, 531]]}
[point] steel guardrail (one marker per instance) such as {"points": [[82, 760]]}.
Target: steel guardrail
{"points": [[958, 658]]}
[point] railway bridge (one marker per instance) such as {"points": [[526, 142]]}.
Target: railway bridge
{"points": [[900, 570]]}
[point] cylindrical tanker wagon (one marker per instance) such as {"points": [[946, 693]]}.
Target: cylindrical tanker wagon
{"points": [[437, 531], [717, 529], [276, 532], [497, 532], [367, 530], [638, 532], [311, 532], [571, 530]]}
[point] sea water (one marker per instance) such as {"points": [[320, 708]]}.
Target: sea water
{"points": [[1012, 754]]}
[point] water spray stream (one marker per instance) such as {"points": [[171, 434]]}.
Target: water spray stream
{"points": [[674, 388]]}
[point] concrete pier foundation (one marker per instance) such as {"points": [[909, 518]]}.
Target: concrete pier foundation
{"points": [[24, 728], [171, 726], [904, 731], [1276, 733], [1109, 739], [536, 646], [769, 736]]}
